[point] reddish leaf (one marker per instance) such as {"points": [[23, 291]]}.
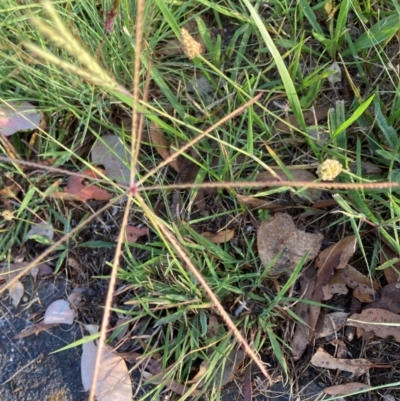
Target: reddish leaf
{"points": [[134, 233], [78, 187]]}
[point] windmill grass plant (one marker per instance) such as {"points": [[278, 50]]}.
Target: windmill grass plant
{"points": [[87, 78]]}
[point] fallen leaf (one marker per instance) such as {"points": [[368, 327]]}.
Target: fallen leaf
{"points": [[311, 117], [34, 329], [327, 261], [219, 237], [302, 333], [392, 273], [15, 117], [161, 144], [338, 254], [365, 167], [134, 233], [7, 273], [363, 287], [59, 312], [357, 367], [78, 188], [336, 75], [389, 298], [332, 323], [332, 288], [16, 292], [299, 174], [258, 203], [378, 322], [279, 234], [42, 233], [342, 389], [110, 152], [113, 382]]}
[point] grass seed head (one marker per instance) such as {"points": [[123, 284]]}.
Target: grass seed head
{"points": [[329, 170], [189, 45]]}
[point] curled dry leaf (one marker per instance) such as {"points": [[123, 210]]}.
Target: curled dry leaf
{"points": [[83, 191], [110, 152], [220, 237], [59, 312], [161, 144], [15, 117], [332, 323], [357, 367], [299, 174], [279, 234], [337, 254], [378, 322], [134, 233], [342, 389], [113, 383], [389, 298]]}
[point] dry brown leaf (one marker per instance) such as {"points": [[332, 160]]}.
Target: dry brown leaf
{"points": [[301, 335], [327, 261], [78, 187], [392, 273], [161, 144], [11, 191], [332, 323], [258, 203], [133, 233], [34, 329], [220, 237], [311, 117], [363, 287], [337, 254], [342, 389], [333, 288], [389, 299], [366, 168], [299, 174], [357, 367], [279, 233], [378, 322]]}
